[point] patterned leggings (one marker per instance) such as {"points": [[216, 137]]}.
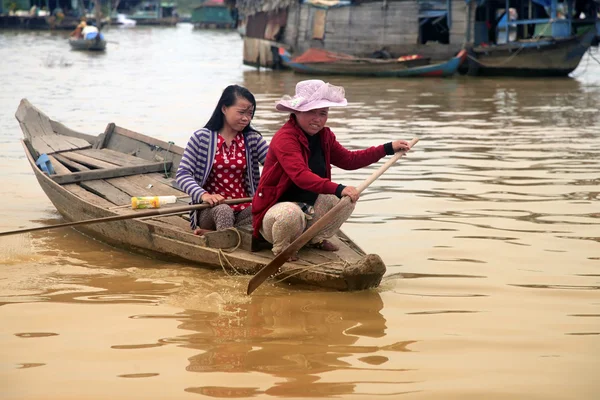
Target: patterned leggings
{"points": [[285, 222], [222, 217]]}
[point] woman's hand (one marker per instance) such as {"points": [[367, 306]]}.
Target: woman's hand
{"points": [[212, 199], [400, 145], [351, 192]]}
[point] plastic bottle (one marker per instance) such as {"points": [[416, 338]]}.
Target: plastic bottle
{"points": [[151, 201]]}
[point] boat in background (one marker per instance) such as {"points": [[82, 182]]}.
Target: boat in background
{"points": [[155, 12], [213, 14], [538, 38], [323, 62], [89, 38], [541, 57], [93, 43], [122, 21]]}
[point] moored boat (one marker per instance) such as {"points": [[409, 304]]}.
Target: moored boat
{"points": [[539, 57], [96, 176], [323, 62]]}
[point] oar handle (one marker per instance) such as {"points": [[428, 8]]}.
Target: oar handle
{"points": [[384, 167], [139, 214], [311, 232]]}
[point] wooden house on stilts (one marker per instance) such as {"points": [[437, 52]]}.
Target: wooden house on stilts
{"points": [[363, 28]]}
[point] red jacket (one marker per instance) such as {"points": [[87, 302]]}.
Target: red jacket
{"points": [[287, 163]]}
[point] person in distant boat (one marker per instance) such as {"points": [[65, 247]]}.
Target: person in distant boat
{"points": [[89, 31], [296, 189], [221, 161], [78, 31]]}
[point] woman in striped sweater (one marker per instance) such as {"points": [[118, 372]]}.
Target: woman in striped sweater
{"points": [[220, 162]]}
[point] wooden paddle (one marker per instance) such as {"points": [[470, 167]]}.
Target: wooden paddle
{"points": [[311, 232], [149, 213]]}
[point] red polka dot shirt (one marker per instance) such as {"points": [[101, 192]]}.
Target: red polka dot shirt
{"points": [[228, 174]]}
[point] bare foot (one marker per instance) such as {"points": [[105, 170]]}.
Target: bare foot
{"points": [[201, 232], [325, 245]]}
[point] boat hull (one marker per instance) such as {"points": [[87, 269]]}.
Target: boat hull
{"points": [[541, 58], [88, 44]]}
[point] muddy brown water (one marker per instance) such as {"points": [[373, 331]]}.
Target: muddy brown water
{"points": [[490, 230]]}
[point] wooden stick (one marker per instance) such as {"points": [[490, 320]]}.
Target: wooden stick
{"points": [[311, 232], [149, 213]]}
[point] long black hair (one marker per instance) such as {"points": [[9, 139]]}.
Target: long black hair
{"points": [[230, 94]]}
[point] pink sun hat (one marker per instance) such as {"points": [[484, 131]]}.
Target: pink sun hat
{"points": [[312, 94]]}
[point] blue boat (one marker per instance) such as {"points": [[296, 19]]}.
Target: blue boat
{"points": [[323, 62]]}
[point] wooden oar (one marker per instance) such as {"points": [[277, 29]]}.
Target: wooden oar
{"points": [[140, 214], [311, 232]]}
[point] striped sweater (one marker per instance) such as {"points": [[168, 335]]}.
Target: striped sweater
{"points": [[197, 161]]}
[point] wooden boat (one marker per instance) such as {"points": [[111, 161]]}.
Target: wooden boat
{"points": [[96, 44], [539, 57], [96, 176], [322, 62]]}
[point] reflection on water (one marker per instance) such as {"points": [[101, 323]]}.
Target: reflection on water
{"points": [[490, 230]]}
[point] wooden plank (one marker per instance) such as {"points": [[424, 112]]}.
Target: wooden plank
{"points": [[40, 146], [107, 191], [147, 139], [126, 185], [89, 161], [60, 129], [58, 167], [76, 143], [44, 122], [110, 128], [159, 188], [78, 190], [175, 220], [59, 143], [90, 197], [130, 159], [116, 159], [71, 164], [318, 28], [174, 232], [108, 173]]}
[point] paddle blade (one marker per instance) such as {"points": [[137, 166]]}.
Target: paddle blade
{"points": [[272, 267], [267, 271]]}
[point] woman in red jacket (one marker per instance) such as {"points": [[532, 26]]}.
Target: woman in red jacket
{"points": [[295, 187]]}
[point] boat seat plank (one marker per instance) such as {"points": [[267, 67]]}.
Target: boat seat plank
{"points": [[107, 191], [88, 196], [128, 157], [159, 187], [71, 164], [175, 232], [58, 167], [88, 161], [78, 190], [175, 220], [119, 159], [126, 185], [107, 173]]}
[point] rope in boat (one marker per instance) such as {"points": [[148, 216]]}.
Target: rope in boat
{"points": [[221, 253], [301, 270]]}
